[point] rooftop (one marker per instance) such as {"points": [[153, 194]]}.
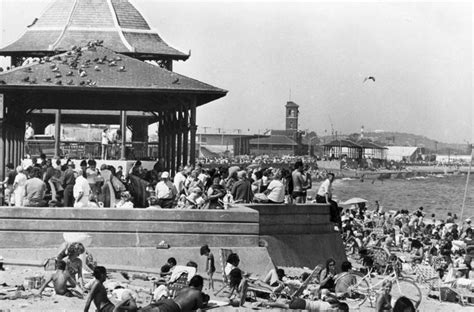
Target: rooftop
{"points": [[76, 22]]}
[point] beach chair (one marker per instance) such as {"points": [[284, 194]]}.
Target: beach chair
{"points": [[314, 274], [180, 283], [223, 255], [252, 289], [428, 276]]}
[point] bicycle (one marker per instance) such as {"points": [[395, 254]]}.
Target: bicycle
{"points": [[363, 288]]}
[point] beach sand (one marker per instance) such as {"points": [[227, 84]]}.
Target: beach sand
{"points": [[15, 275]]}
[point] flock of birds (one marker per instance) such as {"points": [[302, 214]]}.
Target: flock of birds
{"points": [[72, 59]]}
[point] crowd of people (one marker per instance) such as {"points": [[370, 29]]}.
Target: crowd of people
{"points": [[55, 182]]}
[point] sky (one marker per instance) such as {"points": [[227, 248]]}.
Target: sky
{"points": [[316, 54]]}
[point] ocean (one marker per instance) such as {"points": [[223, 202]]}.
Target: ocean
{"points": [[438, 194]]}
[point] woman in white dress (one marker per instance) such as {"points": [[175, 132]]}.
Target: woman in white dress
{"points": [[19, 190]]}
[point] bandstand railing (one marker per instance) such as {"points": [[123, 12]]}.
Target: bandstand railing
{"points": [[85, 149]]}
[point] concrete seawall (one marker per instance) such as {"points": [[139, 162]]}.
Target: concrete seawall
{"points": [[262, 235], [299, 235]]}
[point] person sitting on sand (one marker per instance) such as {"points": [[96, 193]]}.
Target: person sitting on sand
{"points": [[73, 262], [326, 277], [98, 292], [63, 282], [188, 299]]}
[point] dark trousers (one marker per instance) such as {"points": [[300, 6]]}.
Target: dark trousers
{"points": [[333, 209], [68, 196]]}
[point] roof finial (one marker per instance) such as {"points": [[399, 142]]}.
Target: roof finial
{"points": [[290, 95]]}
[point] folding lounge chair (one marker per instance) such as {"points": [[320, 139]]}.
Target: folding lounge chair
{"points": [[427, 275], [314, 274], [223, 255], [466, 296], [180, 283]]}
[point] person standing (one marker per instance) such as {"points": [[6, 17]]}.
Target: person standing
{"points": [[68, 180], [19, 187], [324, 196], [299, 183], [81, 190], [105, 143], [35, 189]]}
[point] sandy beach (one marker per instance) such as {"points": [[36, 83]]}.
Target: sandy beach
{"points": [[15, 275]]}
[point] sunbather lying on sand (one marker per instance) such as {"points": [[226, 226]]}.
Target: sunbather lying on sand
{"points": [[188, 299], [63, 283], [325, 303]]}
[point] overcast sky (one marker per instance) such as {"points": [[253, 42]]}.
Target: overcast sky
{"points": [[420, 54]]}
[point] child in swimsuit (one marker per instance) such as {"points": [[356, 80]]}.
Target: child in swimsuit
{"points": [[210, 266]]}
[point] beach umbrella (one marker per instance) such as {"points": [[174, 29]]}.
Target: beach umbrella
{"points": [[354, 200]]}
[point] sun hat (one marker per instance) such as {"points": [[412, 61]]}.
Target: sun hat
{"points": [[165, 175]]}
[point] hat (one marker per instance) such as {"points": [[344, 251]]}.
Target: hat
{"points": [[241, 174], [468, 220], [165, 175]]}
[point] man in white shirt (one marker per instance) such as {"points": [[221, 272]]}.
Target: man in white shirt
{"points": [[165, 191], [81, 191], [180, 179], [324, 196]]}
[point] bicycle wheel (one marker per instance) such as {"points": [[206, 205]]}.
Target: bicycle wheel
{"points": [[405, 287], [354, 289]]}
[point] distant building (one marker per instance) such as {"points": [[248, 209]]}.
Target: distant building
{"points": [[403, 153], [279, 142], [362, 149]]}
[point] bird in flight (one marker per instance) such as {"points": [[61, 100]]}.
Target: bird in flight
{"points": [[369, 78]]}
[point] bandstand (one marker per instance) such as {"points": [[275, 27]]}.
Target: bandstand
{"points": [[91, 68]]}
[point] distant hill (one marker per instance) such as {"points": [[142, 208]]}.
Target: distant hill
{"points": [[407, 139]]}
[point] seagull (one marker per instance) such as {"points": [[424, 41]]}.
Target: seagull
{"points": [[176, 81], [121, 69], [369, 78]]}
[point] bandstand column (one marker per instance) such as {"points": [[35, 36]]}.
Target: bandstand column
{"points": [[193, 126], [167, 140], [185, 136], [179, 143], [160, 135], [123, 129], [57, 133], [174, 132]]}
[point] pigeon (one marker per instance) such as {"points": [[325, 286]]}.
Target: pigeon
{"points": [[28, 70], [97, 68], [69, 73], [121, 69], [176, 81], [52, 66], [59, 82], [26, 79], [70, 82], [82, 83], [369, 78], [112, 63], [55, 70], [118, 58], [58, 75], [2, 82], [33, 81], [83, 74], [47, 79]]}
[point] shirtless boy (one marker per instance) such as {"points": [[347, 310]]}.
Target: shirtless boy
{"points": [[61, 280], [99, 293]]}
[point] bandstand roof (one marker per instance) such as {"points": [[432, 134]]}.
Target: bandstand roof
{"points": [[121, 78], [76, 22]]}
